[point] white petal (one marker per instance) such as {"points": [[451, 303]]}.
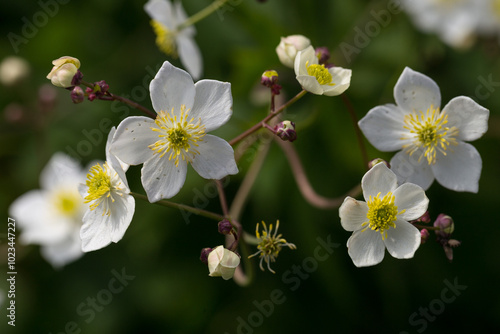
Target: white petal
{"points": [[161, 11], [111, 158], [216, 158], [60, 169], [412, 199], [171, 88], [132, 138], [161, 178], [383, 126], [304, 56], [460, 169], [310, 84], [366, 248], [402, 241], [341, 77], [416, 92], [213, 103], [469, 117], [64, 252], [352, 214], [213, 260], [409, 169], [190, 55], [181, 16], [378, 179]]}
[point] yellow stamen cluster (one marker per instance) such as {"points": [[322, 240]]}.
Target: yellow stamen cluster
{"points": [[429, 133], [67, 202], [165, 38], [178, 135], [320, 72], [382, 214], [100, 186], [270, 245]]}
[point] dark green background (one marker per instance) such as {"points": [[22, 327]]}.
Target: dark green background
{"points": [[171, 291]]}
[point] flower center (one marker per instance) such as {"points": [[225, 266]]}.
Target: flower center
{"points": [[382, 213], [320, 72], [67, 202], [429, 133], [165, 38], [177, 135]]}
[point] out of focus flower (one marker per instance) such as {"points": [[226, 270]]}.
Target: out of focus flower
{"points": [[63, 71], [288, 48], [52, 216], [383, 220], [13, 69], [432, 143], [222, 262]]}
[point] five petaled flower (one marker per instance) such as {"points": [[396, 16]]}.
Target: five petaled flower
{"points": [[383, 220], [431, 141], [174, 41], [110, 206], [178, 136], [318, 79]]}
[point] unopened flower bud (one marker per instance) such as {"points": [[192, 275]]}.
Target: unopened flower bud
{"points": [[225, 227], [288, 48], [323, 54], [103, 86], [222, 262], [77, 79], [286, 131], [63, 71], [425, 218], [377, 161], [77, 95], [424, 235], [269, 78], [204, 254], [445, 224]]}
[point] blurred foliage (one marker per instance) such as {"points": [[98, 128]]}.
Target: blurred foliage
{"points": [[171, 291]]}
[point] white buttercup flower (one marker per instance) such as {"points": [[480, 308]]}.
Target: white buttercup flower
{"points": [[288, 48], [382, 220], [110, 206], [222, 262], [165, 20], [179, 134], [52, 216], [318, 79], [432, 142]]}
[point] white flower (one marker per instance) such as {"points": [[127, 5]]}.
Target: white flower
{"points": [[52, 216], [110, 206], [382, 221], [13, 70], [186, 112], [318, 79], [63, 71], [166, 19], [222, 262], [431, 142], [288, 48]]}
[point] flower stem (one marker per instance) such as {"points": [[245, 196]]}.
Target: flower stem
{"points": [[201, 14], [359, 135], [179, 206], [257, 126]]}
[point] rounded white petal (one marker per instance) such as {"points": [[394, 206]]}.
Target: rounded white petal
{"points": [[222, 262], [402, 241], [213, 103], [341, 77], [409, 169], [469, 117], [412, 199], [61, 169], [366, 248], [111, 158], [383, 126], [352, 214], [460, 169], [161, 178], [216, 158], [190, 55], [288, 48], [64, 252], [379, 179], [310, 84], [171, 88], [161, 11], [308, 55], [132, 138], [416, 92], [213, 259]]}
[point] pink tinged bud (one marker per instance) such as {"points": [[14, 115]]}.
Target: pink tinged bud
{"points": [[77, 95], [204, 254], [445, 224], [323, 54], [377, 161], [269, 78], [103, 86], [286, 131], [225, 227], [424, 235], [288, 48], [65, 68], [77, 79]]}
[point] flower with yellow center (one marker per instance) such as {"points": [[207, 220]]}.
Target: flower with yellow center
{"points": [[186, 112], [110, 207], [270, 245], [52, 215], [165, 20], [431, 143], [382, 220], [318, 79]]}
